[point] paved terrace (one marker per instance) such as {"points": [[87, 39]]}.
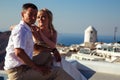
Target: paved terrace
{"points": [[98, 70], [91, 75]]}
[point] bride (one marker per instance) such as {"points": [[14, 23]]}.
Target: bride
{"points": [[45, 38]]}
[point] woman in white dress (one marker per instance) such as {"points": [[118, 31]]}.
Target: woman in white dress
{"points": [[45, 38]]}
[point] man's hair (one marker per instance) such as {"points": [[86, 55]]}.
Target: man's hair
{"points": [[29, 5]]}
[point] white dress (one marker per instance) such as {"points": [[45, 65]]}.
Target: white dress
{"points": [[70, 69]]}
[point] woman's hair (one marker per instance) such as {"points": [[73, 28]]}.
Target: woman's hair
{"points": [[50, 18]]}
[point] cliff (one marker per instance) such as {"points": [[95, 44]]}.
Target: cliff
{"points": [[4, 36]]}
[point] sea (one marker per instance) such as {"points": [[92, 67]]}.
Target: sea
{"points": [[69, 39]]}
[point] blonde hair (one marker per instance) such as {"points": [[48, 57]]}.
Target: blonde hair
{"points": [[50, 17]]}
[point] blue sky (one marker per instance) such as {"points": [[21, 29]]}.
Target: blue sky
{"points": [[70, 16]]}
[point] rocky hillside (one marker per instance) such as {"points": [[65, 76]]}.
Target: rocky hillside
{"points": [[4, 36]]}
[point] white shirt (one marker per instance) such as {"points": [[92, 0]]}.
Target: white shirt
{"points": [[21, 37]]}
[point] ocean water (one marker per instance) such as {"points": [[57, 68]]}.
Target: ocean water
{"points": [[69, 39]]}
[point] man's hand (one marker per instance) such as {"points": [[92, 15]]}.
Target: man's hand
{"points": [[45, 70], [42, 69]]}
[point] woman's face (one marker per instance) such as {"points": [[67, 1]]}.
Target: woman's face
{"points": [[42, 19]]}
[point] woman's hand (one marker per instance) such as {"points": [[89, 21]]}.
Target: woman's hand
{"points": [[12, 27], [56, 55], [36, 35]]}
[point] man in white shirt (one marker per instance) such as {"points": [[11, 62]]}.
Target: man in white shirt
{"points": [[19, 51]]}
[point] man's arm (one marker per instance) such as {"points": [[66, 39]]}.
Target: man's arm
{"points": [[20, 53]]}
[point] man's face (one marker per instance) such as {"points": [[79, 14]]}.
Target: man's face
{"points": [[29, 16]]}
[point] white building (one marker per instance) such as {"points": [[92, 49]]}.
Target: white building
{"points": [[90, 35]]}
